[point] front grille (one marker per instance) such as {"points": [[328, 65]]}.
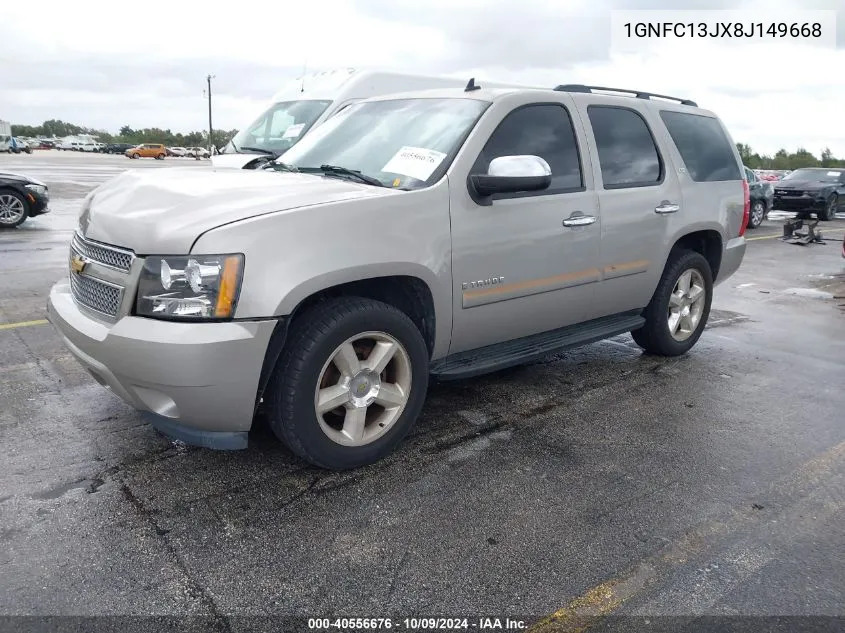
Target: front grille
{"points": [[112, 256], [97, 295], [788, 192]]}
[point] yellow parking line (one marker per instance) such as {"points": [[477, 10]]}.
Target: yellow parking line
{"points": [[11, 326], [771, 237], [581, 613]]}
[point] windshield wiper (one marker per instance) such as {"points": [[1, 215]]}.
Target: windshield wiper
{"points": [[343, 171], [261, 150], [279, 166]]}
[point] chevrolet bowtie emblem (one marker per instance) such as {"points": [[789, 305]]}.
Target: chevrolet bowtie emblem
{"points": [[78, 263]]}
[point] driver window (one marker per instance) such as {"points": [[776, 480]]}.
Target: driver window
{"points": [[539, 130]]}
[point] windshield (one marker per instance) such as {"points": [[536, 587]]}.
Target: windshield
{"points": [[401, 142], [282, 125], [818, 175]]}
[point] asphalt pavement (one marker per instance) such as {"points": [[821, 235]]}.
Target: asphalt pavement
{"points": [[596, 482]]}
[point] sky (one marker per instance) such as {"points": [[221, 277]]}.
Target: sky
{"points": [[103, 64]]}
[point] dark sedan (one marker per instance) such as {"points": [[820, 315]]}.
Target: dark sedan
{"points": [[819, 190], [21, 197], [118, 148], [762, 195]]}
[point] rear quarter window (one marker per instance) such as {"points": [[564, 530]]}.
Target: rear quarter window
{"points": [[703, 145]]}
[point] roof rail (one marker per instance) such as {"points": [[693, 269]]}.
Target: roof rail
{"points": [[638, 93]]}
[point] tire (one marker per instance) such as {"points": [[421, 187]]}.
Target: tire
{"points": [[160, 157], [655, 336], [133, 156], [757, 215], [14, 209], [314, 340], [830, 208]]}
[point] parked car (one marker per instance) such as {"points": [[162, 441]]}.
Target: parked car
{"points": [[118, 148], [819, 190], [21, 197], [501, 226], [197, 152], [762, 194], [147, 150], [176, 151], [19, 145]]}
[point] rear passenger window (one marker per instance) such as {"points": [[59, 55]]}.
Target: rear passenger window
{"points": [[540, 130], [627, 153], [702, 143]]}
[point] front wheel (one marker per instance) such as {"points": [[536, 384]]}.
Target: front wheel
{"points": [[13, 209], [678, 311], [830, 208], [349, 384]]}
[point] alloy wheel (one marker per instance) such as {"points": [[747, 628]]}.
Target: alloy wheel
{"points": [[363, 388]]}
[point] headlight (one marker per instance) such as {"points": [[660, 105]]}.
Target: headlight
{"points": [[42, 189], [190, 287]]}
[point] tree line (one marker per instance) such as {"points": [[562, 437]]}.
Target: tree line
{"points": [[127, 134], [788, 160], [781, 160]]}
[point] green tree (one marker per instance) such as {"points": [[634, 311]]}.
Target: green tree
{"points": [[827, 158]]}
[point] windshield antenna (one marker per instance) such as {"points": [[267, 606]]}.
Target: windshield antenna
{"points": [[304, 68]]}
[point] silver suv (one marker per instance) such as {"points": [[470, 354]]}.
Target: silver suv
{"points": [[446, 233]]}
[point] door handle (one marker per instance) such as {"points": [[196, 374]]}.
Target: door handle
{"points": [[579, 220], [667, 207]]}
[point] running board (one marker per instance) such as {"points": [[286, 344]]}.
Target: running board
{"points": [[503, 355]]}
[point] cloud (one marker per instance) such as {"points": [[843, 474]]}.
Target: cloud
{"points": [[145, 64]]}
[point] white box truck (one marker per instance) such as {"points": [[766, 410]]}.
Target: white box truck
{"points": [[5, 135], [304, 103]]}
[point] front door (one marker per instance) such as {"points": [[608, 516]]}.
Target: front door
{"points": [[524, 263]]}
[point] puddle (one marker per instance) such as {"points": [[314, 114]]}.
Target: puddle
{"points": [[810, 293]]}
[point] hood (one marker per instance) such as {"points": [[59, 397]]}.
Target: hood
{"points": [[803, 185], [5, 175], [234, 161], [164, 211]]}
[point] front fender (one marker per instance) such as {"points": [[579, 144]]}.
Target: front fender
{"points": [[291, 255]]}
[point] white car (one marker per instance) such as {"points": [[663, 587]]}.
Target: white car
{"points": [[177, 151], [195, 152]]}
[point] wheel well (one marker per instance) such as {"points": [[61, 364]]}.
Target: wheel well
{"points": [[411, 295], [708, 243], [408, 294]]}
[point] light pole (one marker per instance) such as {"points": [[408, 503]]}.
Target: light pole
{"points": [[210, 127]]}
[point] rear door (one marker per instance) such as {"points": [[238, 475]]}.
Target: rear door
{"points": [[639, 197]]}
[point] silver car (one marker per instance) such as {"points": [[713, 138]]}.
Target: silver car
{"points": [[446, 233]]}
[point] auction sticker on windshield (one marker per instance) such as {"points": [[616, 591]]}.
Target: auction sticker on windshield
{"points": [[416, 162], [293, 130]]}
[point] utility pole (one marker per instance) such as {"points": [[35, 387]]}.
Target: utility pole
{"points": [[210, 128]]}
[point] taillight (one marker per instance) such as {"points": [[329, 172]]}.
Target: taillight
{"points": [[746, 210]]}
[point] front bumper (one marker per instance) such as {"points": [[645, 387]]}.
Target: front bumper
{"points": [[731, 258], [196, 381], [37, 202], [803, 203]]}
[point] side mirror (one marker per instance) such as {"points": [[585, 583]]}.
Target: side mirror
{"points": [[513, 174]]}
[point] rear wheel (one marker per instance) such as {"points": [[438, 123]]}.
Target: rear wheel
{"points": [[349, 384], [160, 157], [14, 209], [757, 215], [678, 311]]}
